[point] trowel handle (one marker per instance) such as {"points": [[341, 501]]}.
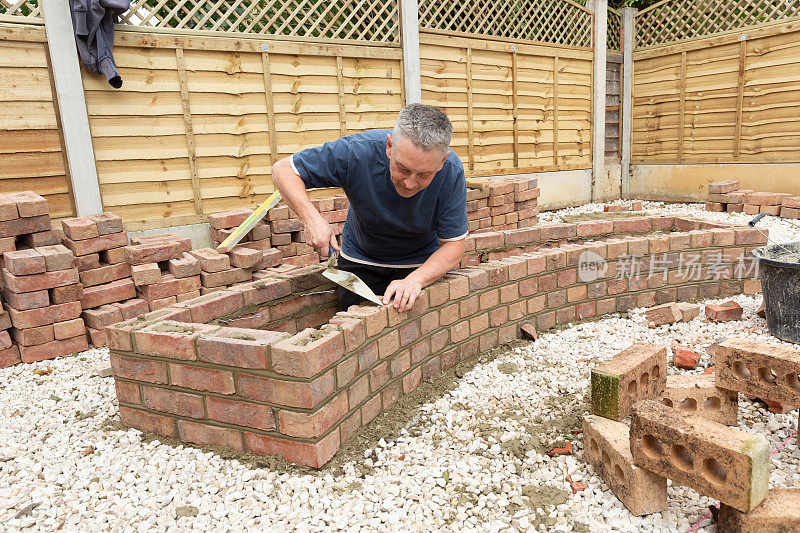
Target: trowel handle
{"points": [[756, 219], [331, 256]]}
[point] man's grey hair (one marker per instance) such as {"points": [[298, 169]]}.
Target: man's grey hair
{"points": [[425, 126]]}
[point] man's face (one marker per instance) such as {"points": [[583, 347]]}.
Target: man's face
{"points": [[412, 168]]}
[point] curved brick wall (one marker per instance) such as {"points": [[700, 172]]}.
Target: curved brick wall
{"points": [[181, 372]]}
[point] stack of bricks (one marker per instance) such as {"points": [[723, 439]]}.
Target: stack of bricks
{"points": [[9, 352], [98, 242], [163, 269], [218, 271], [727, 196], [42, 293], [25, 222], [258, 238], [507, 203]]}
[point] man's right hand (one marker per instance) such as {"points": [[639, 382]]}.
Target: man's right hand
{"points": [[321, 236]]}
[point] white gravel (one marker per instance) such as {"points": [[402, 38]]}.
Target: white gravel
{"points": [[462, 465]]}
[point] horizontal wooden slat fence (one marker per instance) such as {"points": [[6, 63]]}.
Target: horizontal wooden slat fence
{"points": [[200, 121], [517, 105], [730, 98], [31, 154]]}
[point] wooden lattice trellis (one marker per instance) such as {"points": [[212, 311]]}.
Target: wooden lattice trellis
{"points": [[11, 9], [552, 21], [675, 20], [614, 41], [369, 20]]}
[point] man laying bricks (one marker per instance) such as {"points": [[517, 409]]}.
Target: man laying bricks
{"points": [[408, 216]]}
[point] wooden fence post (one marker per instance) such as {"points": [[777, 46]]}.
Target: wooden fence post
{"points": [[409, 26], [628, 43], [74, 119], [600, 8]]}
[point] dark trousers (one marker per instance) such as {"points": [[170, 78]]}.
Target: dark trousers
{"points": [[376, 278]]}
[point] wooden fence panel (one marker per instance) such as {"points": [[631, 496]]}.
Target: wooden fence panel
{"points": [[197, 125], [31, 155], [725, 99], [510, 108]]}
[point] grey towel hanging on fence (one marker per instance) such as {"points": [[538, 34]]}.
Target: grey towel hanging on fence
{"points": [[93, 22]]}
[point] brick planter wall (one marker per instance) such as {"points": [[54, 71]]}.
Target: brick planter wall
{"points": [[181, 373]]}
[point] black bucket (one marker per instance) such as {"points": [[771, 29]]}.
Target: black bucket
{"points": [[779, 267]]}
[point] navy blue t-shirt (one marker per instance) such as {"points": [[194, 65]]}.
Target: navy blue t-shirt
{"points": [[382, 227]]}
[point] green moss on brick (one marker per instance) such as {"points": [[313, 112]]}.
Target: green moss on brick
{"points": [[605, 394]]}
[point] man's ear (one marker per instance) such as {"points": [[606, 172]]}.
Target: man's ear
{"points": [[389, 145]]}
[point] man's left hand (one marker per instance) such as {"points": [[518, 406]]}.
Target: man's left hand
{"points": [[405, 293]]}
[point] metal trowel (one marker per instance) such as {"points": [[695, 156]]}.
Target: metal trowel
{"points": [[349, 281]]}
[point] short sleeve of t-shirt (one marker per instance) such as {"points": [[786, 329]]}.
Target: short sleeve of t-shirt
{"points": [[452, 221], [323, 166]]}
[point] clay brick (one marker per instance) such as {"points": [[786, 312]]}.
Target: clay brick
{"points": [[240, 413], [8, 208], [33, 336], [173, 402], [308, 352], [145, 274], [138, 369], [229, 219], [633, 375], [721, 187], [9, 356], [24, 262], [132, 308], [29, 204], [313, 425], [720, 462], [684, 358], [167, 338], [240, 348], [85, 262], [56, 257], [53, 349], [391, 394], [79, 228], [313, 455], [112, 256], [107, 223], [115, 291], [698, 394], [750, 236], [67, 293], [45, 315], [245, 257], [607, 449], [688, 311], [304, 394], [127, 392], [375, 318], [664, 314], [353, 329], [225, 277], [207, 435], [171, 286], [724, 313], [27, 300], [211, 260], [776, 514], [211, 306], [68, 329], [388, 344], [22, 226], [184, 266], [37, 282], [97, 244], [150, 422], [757, 369], [105, 274], [203, 379], [152, 252], [103, 316]]}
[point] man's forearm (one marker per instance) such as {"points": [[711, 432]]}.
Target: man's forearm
{"points": [[447, 257], [292, 189]]}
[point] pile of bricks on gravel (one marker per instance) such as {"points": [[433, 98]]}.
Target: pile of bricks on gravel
{"points": [[43, 296], [508, 203], [727, 196], [98, 242], [38, 283], [164, 272], [680, 430]]}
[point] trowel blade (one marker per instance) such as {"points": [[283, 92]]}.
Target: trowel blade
{"points": [[352, 283]]}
